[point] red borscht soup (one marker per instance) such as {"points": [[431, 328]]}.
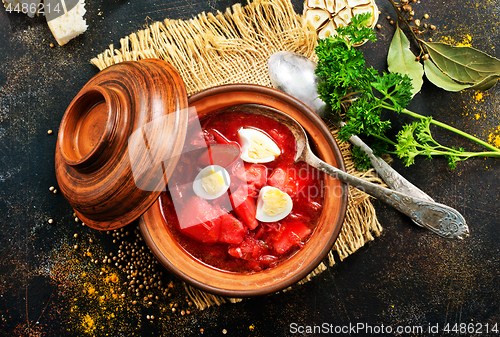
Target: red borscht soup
{"points": [[237, 201]]}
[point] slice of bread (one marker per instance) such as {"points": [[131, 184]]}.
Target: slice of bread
{"points": [[69, 25]]}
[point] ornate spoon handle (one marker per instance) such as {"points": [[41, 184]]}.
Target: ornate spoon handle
{"points": [[438, 218], [391, 177]]}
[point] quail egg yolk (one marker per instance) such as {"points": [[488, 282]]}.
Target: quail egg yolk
{"points": [[257, 147], [273, 204], [212, 182]]}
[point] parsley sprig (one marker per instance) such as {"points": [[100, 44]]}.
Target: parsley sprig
{"points": [[362, 93]]}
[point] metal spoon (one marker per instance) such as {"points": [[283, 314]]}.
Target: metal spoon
{"points": [[294, 74], [439, 218]]}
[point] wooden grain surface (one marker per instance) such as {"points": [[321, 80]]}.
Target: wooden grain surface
{"points": [[408, 277]]}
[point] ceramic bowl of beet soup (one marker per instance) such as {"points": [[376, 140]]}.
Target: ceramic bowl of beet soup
{"points": [[239, 217]]}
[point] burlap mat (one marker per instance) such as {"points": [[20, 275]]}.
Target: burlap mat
{"points": [[233, 47]]}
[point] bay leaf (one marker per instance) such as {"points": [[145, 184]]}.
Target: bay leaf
{"points": [[400, 59], [464, 64], [487, 83], [440, 79]]}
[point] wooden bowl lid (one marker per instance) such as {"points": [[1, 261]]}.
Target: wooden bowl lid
{"points": [[119, 141]]}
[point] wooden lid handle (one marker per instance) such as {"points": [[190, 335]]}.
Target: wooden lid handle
{"points": [[88, 133]]}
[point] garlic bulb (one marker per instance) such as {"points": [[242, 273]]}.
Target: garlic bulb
{"points": [[327, 15]]}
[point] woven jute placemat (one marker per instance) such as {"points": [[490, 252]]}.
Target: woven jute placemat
{"points": [[233, 47]]}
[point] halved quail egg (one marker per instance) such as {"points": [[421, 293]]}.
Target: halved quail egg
{"points": [[212, 182], [257, 147], [273, 204]]}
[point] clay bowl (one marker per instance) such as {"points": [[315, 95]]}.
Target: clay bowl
{"points": [[179, 262]]}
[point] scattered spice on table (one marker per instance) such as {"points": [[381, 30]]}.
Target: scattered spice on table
{"points": [[111, 291]]}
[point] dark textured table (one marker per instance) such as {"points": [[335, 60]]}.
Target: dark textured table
{"points": [[408, 279]]}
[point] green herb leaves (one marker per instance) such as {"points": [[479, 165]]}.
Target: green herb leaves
{"points": [[347, 83], [395, 88], [416, 139], [341, 66], [401, 60], [345, 79], [356, 32]]}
